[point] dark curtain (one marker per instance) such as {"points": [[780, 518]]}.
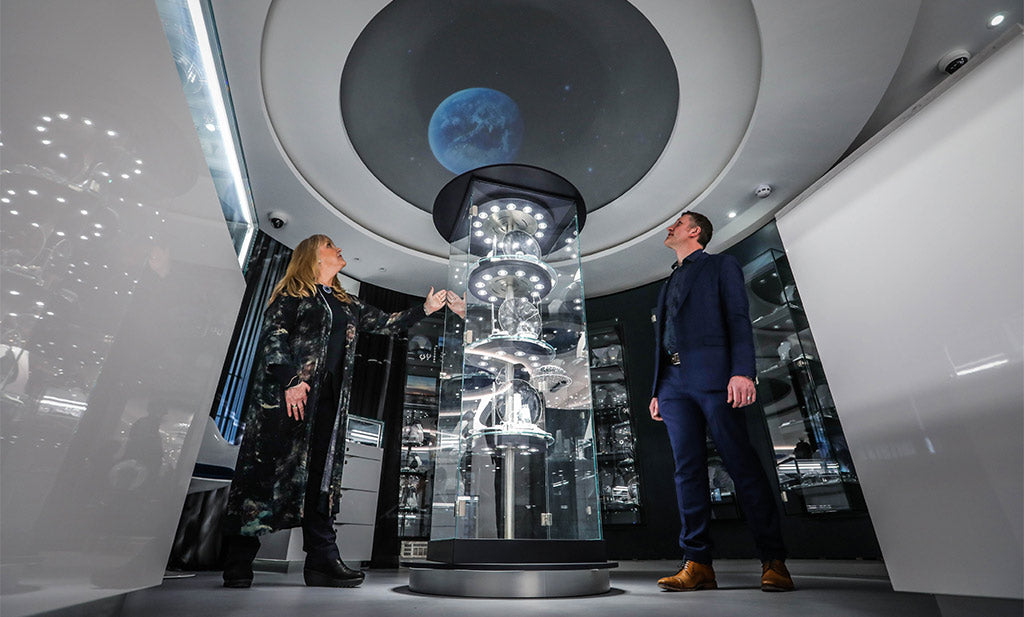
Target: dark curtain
{"points": [[378, 392], [267, 263]]}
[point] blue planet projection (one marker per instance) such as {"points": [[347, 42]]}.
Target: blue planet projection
{"points": [[475, 127]]}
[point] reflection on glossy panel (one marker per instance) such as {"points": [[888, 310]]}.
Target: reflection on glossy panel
{"points": [[119, 290], [915, 290]]}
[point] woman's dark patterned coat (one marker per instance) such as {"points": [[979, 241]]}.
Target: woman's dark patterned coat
{"points": [[269, 488]]}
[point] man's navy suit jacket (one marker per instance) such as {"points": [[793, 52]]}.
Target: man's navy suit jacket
{"points": [[712, 328]]}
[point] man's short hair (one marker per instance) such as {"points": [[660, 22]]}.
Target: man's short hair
{"points": [[706, 229]]}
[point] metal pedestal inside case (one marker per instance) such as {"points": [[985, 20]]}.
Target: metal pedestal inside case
{"points": [[516, 510]]}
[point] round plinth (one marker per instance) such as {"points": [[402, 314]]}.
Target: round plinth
{"points": [[510, 580]]}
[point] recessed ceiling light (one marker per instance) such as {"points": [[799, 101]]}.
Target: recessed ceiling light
{"points": [[996, 19], [732, 215]]}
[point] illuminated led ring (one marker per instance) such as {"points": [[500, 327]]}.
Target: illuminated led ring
{"points": [[491, 278]]}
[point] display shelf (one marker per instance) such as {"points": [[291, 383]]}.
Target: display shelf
{"points": [[607, 374], [786, 318], [513, 349]]}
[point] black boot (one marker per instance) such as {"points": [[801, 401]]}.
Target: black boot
{"points": [[241, 551], [333, 574]]}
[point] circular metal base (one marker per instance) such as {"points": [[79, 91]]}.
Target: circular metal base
{"points": [[515, 582], [512, 348]]}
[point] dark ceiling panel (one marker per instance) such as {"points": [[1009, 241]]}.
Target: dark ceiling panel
{"points": [[592, 81]]}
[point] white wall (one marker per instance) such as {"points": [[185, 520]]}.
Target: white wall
{"points": [[118, 296], [911, 266]]}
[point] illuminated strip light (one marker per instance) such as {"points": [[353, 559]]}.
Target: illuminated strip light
{"points": [[74, 406], [195, 11], [981, 367]]}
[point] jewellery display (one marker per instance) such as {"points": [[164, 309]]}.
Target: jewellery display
{"points": [[419, 429], [813, 462], [515, 427], [615, 441]]}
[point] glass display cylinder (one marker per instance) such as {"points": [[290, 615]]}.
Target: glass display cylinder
{"points": [[515, 460]]}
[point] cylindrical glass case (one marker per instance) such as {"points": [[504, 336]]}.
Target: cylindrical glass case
{"points": [[515, 427]]}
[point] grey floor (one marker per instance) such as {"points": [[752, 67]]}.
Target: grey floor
{"points": [[830, 589]]}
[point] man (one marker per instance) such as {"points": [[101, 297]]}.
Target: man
{"points": [[704, 376]]}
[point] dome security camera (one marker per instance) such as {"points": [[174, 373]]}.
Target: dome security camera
{"points": [[953, 60], [763, 190], [278, 219]]}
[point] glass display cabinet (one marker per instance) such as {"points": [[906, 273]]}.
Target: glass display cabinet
{"points": [[516, 510], [419, 428], [617, 471], [813, 462]]}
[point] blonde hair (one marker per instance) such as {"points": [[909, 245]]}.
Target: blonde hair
{"points": [[300, 278]]}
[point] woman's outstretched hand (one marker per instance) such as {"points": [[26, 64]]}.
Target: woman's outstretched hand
{"points": [[295, 400], [434, 301], [456, 303]]}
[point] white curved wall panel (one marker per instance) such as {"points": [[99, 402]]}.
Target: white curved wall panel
{"points": [[119, 292], [910, 262]]}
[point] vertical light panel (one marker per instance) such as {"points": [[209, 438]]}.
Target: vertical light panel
{"points": [[911, 267], [119, 291]]}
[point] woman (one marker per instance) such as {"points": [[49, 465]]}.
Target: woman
{"points": [[290, 462]]}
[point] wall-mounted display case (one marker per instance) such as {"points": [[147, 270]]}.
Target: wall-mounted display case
{"points": [[813, 463], [614, 433], [419, 428]]}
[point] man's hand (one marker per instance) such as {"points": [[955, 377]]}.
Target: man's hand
{"points": [[741, 391], [654, 410], [295, 400]]}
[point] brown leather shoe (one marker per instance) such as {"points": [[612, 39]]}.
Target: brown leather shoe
{"points": [[692, 576], [775, 576]]}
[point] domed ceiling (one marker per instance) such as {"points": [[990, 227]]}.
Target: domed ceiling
{"points": [[353, 115]]}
